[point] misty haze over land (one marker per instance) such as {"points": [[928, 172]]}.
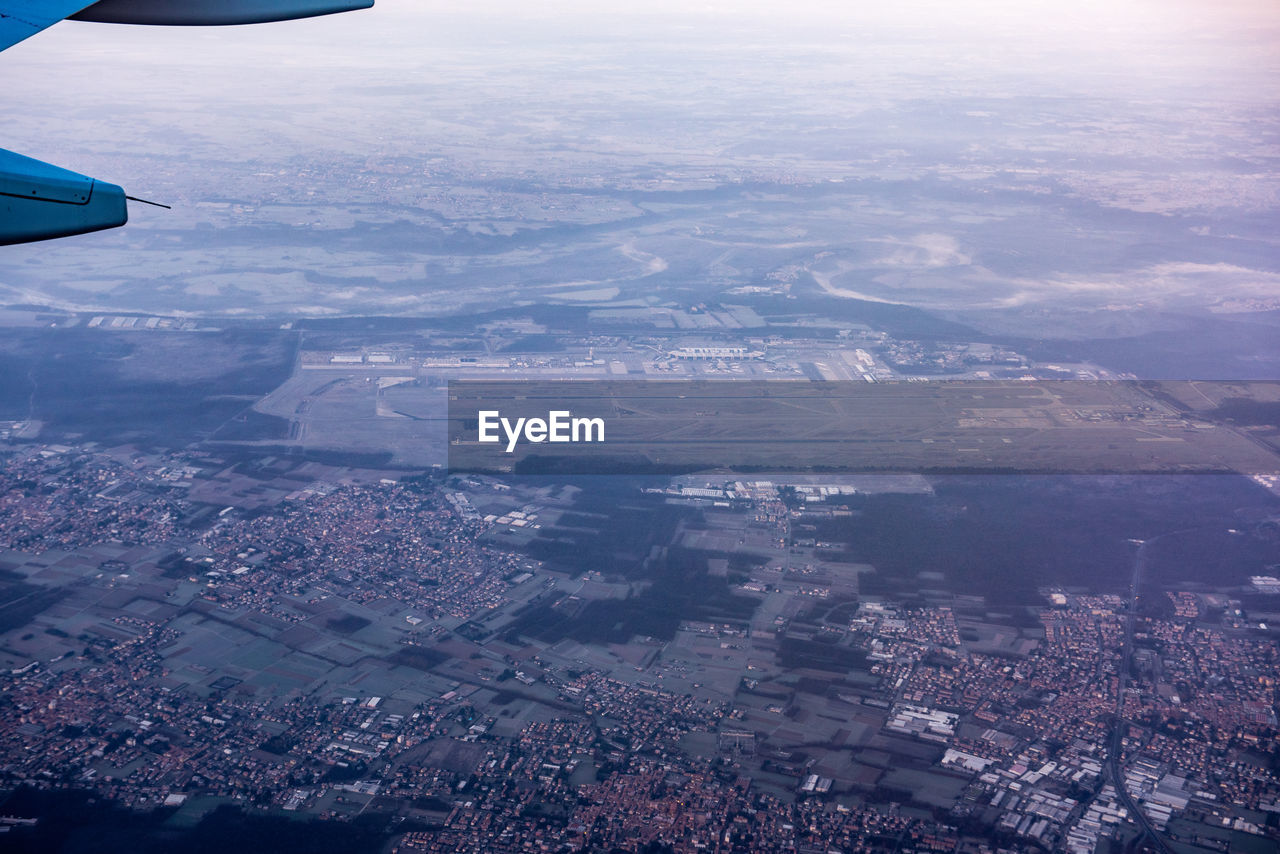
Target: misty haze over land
{"points": [[1091, 171]]}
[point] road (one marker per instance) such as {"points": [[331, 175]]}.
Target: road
{"points": [[1113, 755]]}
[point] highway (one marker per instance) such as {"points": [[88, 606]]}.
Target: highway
{"points": [[1113, 756]]}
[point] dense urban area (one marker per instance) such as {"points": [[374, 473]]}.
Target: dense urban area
{"points": [[487, 663]]}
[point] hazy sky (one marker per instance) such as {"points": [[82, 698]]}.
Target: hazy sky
{"points": [[1149, 37], [1231, 49], [80, 83]]}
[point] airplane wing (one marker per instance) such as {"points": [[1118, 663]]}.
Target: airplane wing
{"points": [[20, 19], [40, 201]]}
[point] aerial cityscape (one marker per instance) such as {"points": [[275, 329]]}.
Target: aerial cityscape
{"points": [[935, 499]]}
